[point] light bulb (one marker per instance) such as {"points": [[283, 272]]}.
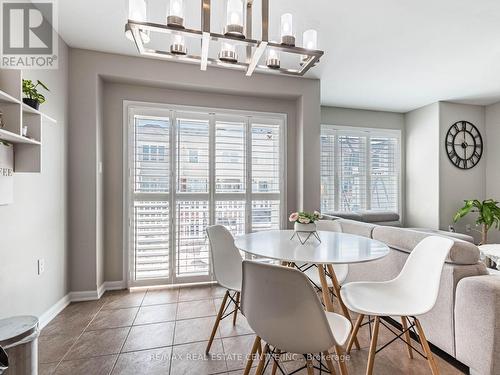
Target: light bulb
{"points": [[228, 53], [178, 47], [234, 18], [287, 36], [286, 24], [235, 12], [137, 10], [310, 39], [176, 8], [229, 47], [175, 15], [273, 59]]}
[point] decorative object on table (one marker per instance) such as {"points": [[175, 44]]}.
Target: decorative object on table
{"points": [[488, 215], [304, 223], [2, 124], [6, 173], [464, 145], [490, 255], [32, 97], [25, 131]]}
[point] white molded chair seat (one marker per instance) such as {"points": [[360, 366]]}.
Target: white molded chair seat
{"points": [[283, 309], [226, 264], [382, 299], [226, 258], [413, 292], [340, 327]]}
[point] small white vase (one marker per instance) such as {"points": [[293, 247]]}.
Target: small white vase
{"points": [[299, 227]]}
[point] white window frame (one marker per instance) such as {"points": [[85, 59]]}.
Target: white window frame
{"points": [[369, 133], [133, 108]]}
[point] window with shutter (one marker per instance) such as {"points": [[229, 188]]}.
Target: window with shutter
{"points": [[360, 169], [193, 168]]}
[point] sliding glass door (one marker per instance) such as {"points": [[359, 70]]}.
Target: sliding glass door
{"points": [[188, 169]]}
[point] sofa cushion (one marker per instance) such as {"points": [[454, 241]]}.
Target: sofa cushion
{"points": [[355, 227], [350, 215], [367, 216], [406, 239], [378, 216], [460, 236]]}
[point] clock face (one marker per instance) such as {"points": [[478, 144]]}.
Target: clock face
{"points": [[464, 145]]}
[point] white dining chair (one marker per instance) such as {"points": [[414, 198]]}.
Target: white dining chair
{"points": [[226, 264], [412, 293], [283, 309]]}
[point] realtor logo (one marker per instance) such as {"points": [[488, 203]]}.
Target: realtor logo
{"points": [[29, 34]]}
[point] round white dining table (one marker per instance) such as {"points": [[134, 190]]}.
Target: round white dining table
{"points": [[331, 248]]}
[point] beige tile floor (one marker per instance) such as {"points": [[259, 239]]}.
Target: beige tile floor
{"points": [[164, 331]]}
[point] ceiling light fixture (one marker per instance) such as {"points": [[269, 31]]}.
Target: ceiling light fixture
{"points": [[237, 31]]}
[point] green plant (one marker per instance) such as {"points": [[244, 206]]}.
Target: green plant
{"points": [[488, 215], [31, 92]]}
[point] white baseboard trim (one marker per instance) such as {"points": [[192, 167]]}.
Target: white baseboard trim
{"points": [[110, 285], [87, 295], [51, 313]]}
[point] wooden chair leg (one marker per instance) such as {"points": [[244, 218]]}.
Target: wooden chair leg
{"points": [[324, 288], [354, 333], [255, 348], [430, 358], [373, 347], [345, 310], [340, 354], [329, 362], [217, 321], [236, 308], [262, 361], [309, 365], [276, 356], [407, 337]]}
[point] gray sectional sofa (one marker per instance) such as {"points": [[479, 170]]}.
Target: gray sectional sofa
{"points": [[465, 321]]}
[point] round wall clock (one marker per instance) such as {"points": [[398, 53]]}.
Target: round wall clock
{"points": [[464, 145]]}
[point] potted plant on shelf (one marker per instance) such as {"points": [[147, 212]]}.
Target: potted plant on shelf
{"points": [[488, 215], [32, 97], [304, 221]]}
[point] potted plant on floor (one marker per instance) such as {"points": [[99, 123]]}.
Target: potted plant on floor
{"points": [[488, 215], [32, 97]]}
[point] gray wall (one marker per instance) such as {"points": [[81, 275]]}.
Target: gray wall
{"points": [[87, 68], [493, 160], [435, 188], [362, 118], [422, 167], [34, 226], [456, 185], [113, 131]]}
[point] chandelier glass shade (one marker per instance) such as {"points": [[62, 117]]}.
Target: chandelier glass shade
{"points": [[236, 47]]}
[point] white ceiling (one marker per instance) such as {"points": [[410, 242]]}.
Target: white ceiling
{"points": [[393, 55]]}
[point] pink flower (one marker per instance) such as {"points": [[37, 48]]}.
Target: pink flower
{"points": [[304, 220], [318, 214], [293, 217]]}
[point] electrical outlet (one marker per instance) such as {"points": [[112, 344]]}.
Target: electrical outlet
{"points": [[468, 228], [41, 266]]}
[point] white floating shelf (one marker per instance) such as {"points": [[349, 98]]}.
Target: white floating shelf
{"points": [[16, 115], [28, 109], [13, 138], [6, 98]]}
